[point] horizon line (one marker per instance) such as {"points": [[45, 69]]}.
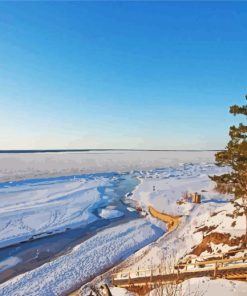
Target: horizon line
{"points": [[103, 149]]}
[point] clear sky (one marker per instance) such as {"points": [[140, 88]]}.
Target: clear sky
{"points": [[157, 75]]}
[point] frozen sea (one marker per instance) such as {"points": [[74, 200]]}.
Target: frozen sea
{"points": [[63, 214]]}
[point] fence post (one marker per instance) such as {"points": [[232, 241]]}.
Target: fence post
{"points": [[178, 274], [215, 269]]}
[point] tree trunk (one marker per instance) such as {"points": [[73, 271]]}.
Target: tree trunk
{"points": [[245, 212]]}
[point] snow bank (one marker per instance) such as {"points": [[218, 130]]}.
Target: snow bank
{"points": [[84, 262]]}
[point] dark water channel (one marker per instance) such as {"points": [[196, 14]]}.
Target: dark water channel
{"points": [[22, 257]]}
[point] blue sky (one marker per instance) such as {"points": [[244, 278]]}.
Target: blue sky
{"points": [[150, 75]]}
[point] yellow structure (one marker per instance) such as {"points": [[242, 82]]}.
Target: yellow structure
{"points": [[171, 221]]}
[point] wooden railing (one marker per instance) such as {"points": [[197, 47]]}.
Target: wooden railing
{"points": [[181, 271]]}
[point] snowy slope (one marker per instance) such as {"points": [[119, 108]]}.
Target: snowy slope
{"points": [[214, 211]]}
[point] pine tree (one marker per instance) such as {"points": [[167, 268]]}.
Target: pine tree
{"points": [[235, 156]]}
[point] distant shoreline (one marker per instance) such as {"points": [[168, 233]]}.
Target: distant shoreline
{"points": [[30, 164], [88, 150]]}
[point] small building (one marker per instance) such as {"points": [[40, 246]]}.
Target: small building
{"points": [[196, 198]]}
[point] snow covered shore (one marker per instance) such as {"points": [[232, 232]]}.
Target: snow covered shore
{"points": [[214, 212], [206, 229], [162, 188]]}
